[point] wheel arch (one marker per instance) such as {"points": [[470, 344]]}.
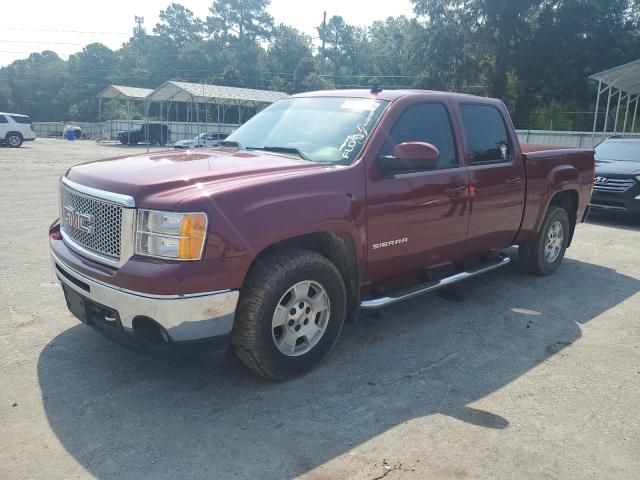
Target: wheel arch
{"points": [[338, 247], [567, 200]]}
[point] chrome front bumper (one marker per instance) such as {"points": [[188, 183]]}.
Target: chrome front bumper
{"points": [[183, 317]]}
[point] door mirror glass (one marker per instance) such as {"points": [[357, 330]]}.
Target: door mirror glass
{"points": [[416, 151], [411, 156]]}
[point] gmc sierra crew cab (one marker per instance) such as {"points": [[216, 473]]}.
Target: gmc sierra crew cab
{"points": [[322, 204]]}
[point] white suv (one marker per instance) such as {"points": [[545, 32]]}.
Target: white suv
{"points": [[15, 129]]}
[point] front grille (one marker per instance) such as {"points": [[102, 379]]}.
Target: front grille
{"points": [[614, 185], [106, 222]]}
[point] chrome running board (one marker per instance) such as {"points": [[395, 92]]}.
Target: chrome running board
{"points": [[406, 294]]}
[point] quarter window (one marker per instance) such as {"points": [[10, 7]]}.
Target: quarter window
{"points": [[487, 137], [429, 123], [21, 119], [3, 119]]}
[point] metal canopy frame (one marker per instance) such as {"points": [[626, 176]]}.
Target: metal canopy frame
{"points": [[197, 94], [121, 92], [622, 82]]}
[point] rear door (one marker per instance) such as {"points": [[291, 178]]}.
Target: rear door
{"points": [[497, 177], [417, 219]]}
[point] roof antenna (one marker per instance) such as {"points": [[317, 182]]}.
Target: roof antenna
{"points": [[376, 88]]}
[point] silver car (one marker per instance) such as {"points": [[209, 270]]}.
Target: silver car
{"points": [[202, 140]]}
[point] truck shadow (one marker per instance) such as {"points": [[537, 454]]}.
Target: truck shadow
{"points": [[615, 220], [125, 415]]}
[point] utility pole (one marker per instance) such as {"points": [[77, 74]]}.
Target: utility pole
{"points": [[137, 31], [324, 35]]}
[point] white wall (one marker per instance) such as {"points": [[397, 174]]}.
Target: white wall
{"points": [[563, 139], [108, 130], [184, 130]]}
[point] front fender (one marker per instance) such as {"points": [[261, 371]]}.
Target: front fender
{"points": [[248, 218]]}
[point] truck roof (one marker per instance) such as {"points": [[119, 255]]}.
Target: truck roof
{"points": [[391, 95]]}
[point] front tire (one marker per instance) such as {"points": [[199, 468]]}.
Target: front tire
{"points": [[290, 314], [13, 139], [544, 254]]}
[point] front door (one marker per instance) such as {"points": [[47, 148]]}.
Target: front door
{"points": [[417, 218]]}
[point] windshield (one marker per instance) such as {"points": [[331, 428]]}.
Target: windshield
{"points": [[320, 129], [137, 127], [618, 150]]}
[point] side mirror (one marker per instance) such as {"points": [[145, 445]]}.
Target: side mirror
{"points": [[411, 156]]}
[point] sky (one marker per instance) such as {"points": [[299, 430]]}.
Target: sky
{"points": [[65, 27]]}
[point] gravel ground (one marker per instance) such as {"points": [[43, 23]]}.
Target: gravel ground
{"points": [[507, 376]]}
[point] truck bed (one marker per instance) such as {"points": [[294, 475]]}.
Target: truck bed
{"points": [[552, 169]]}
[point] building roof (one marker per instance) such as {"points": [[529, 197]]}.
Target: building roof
{"points": [[120, 91], [624, 77], [203, 93]]}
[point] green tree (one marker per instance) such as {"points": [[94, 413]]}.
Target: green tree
{"points": [[239, 24], [35, 86], [287, 50], [89, 72], [535, 54], [179, 25], [339, 43]]}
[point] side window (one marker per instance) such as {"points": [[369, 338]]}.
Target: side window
{"points": [[3, 119], [425, 122], [487, 137], [21, 119]]}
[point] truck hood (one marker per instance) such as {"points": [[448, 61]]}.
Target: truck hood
{"points": [[617, 168], [169, 177]]}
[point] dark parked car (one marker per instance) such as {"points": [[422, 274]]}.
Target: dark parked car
{"points": [[617, 181], [154, 133]]}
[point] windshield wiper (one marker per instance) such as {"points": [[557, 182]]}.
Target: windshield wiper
{"points": [[293, 150]]}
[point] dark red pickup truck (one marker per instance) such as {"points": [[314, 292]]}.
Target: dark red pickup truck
{"points": [[322, 204]]}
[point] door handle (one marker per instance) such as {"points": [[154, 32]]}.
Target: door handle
{"points": [[513, 180], [455, 191]]}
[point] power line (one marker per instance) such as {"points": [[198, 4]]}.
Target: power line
{"points": [[25, 53], [46, 42], [61, 31]]}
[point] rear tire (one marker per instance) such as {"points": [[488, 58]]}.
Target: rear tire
{"points": [[311, 315], [544, 254], [13, 139]]}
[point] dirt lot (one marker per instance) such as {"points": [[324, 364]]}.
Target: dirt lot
{"points": [[509, 376]]}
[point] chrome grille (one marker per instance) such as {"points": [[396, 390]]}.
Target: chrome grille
{"points": [[612, 185], [105, 239]]}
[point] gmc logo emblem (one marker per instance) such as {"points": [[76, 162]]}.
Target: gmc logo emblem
{"points": [[79, 221], [601, 180]]}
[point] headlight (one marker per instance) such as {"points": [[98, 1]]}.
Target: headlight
{"points": [[638, 178], [171, 235]]}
